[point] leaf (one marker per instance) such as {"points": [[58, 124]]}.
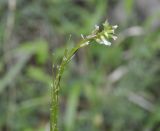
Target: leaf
{"points": [[38, 74], [38, 47], [71, 108], [12, 74]]}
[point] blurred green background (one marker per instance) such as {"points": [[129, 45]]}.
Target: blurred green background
{"points": [[113, 88]]}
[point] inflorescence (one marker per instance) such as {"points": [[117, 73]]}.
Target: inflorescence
{"points": [[101, 36]]}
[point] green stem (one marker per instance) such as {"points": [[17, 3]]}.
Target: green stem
{"points": [[56, 85]]}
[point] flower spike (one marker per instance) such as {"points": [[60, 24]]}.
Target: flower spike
{"points": [[103, 36]]}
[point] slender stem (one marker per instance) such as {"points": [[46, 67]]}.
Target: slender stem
{"points": [[56, 84]]}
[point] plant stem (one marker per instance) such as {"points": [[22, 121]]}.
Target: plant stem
{"points": [[56, 84]]}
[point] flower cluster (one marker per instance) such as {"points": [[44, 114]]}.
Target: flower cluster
{"points": [[102, 36]]}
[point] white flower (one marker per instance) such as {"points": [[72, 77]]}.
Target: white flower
{"points": [[96, 27], [90, 36], [101, 36], [114, 37], [86, 43], [115, 26], [103, 41]]}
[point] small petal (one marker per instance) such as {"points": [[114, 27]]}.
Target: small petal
{"points": [[82, 36], [115, 26], [114, 37], [90, 36], [99, 41], [86, 43], [105, 42], [96, 27]]}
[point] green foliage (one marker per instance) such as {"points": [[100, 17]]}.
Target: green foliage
{"points": [[113, 89], [72, 105]]}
